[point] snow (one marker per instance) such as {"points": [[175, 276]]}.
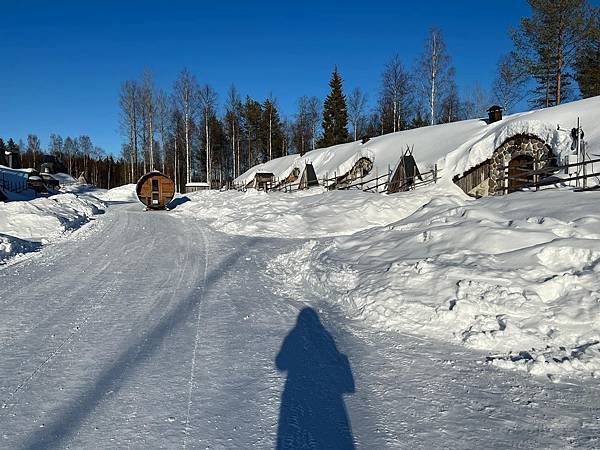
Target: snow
{"points": [[454, 147], [514, 276], [304, 214], [155, 330], [26, 224], [125, 193], [517, 277]]}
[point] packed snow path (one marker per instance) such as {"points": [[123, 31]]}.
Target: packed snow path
{"points": [[149, 330]]}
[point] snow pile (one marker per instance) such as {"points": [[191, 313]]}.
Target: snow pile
{"points": [[11, 246], [302, 214], [517, 276], [125, 193], [454, 147], [24, 225]]}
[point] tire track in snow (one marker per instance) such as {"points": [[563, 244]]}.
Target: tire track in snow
{"points": [[197, 339]]}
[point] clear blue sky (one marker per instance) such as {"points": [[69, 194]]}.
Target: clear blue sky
{"points": [[63, 61]]}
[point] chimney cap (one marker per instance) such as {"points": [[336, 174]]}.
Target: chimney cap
{"points": [[494, 108]]}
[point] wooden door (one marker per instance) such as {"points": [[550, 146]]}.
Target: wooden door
{"points": [[517, 172]]}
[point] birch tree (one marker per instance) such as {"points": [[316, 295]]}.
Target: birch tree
{"points": [[357, 102], [313, 117], [395, 91], [162, 123], [148, 100], [34, 147], [186, 93], [208, 101], [128, 101], [433, 70], [510, 82], [233, 107]]}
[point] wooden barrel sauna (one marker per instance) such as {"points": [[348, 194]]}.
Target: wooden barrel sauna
{"points": [[155, 190]]}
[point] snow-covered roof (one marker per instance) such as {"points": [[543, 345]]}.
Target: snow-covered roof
{"points": [[454, 147], [197, 184]]}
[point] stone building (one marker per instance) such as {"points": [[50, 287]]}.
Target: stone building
{"points": [[507, 170]]}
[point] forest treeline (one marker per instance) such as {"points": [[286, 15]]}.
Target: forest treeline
{"points": [[192, 134]]}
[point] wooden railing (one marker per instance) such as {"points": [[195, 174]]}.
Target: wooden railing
{"points": [[541, 176]]}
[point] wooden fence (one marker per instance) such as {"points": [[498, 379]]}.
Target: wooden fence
{"points": [[537, 178]]}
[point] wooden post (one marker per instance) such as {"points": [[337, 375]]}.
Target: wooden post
{"points": [[435, 173], [414, 177]]}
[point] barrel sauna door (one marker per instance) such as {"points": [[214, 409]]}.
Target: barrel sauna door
{"points": [[517, 172]]}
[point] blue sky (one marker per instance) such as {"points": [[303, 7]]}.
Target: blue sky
{"points": [[63, 61]]}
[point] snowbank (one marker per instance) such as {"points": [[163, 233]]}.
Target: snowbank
{"points": [[302, 214], [25, 225], [518, 276], [125, 193], [454, 147]]}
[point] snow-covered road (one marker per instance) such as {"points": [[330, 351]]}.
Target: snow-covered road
{"points": [[150, 330]]}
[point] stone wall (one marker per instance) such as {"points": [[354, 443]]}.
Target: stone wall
{"points": [[488, 177], [516, 146]]}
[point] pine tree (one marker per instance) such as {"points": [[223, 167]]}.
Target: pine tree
{"points": [[546, 44], [335, 114], [587, 65], [11, 146], [271, 133], [2, 151]]}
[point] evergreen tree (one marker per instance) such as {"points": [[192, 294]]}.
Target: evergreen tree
{"points": [[271, 133], [11, 146], [2, 151], [546, 44], [335, 114], [251, 121], [419, 120], [587, 65]]}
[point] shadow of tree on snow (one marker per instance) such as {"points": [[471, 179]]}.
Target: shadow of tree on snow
{"points": [[313, 414]]}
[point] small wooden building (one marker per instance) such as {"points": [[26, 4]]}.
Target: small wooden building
{"points": [[194, 186], [262, 181], [155, 190]]}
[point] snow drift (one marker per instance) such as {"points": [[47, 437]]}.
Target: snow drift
{"points": [[302, 214], [26, 225], [517, 276]]}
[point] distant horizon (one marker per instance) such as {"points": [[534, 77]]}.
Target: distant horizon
{"points": [[66, 63]]}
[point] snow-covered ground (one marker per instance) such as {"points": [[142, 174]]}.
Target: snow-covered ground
{"points": [[156, 329], [25, 225], [515, 276]]}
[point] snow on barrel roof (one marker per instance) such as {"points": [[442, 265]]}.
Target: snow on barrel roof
{"points": [[455, 147]]}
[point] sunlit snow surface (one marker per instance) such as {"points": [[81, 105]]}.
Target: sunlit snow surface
{"points": [[307, 320]]}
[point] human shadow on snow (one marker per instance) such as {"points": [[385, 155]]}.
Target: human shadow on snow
{"points": [[312, 413]]}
